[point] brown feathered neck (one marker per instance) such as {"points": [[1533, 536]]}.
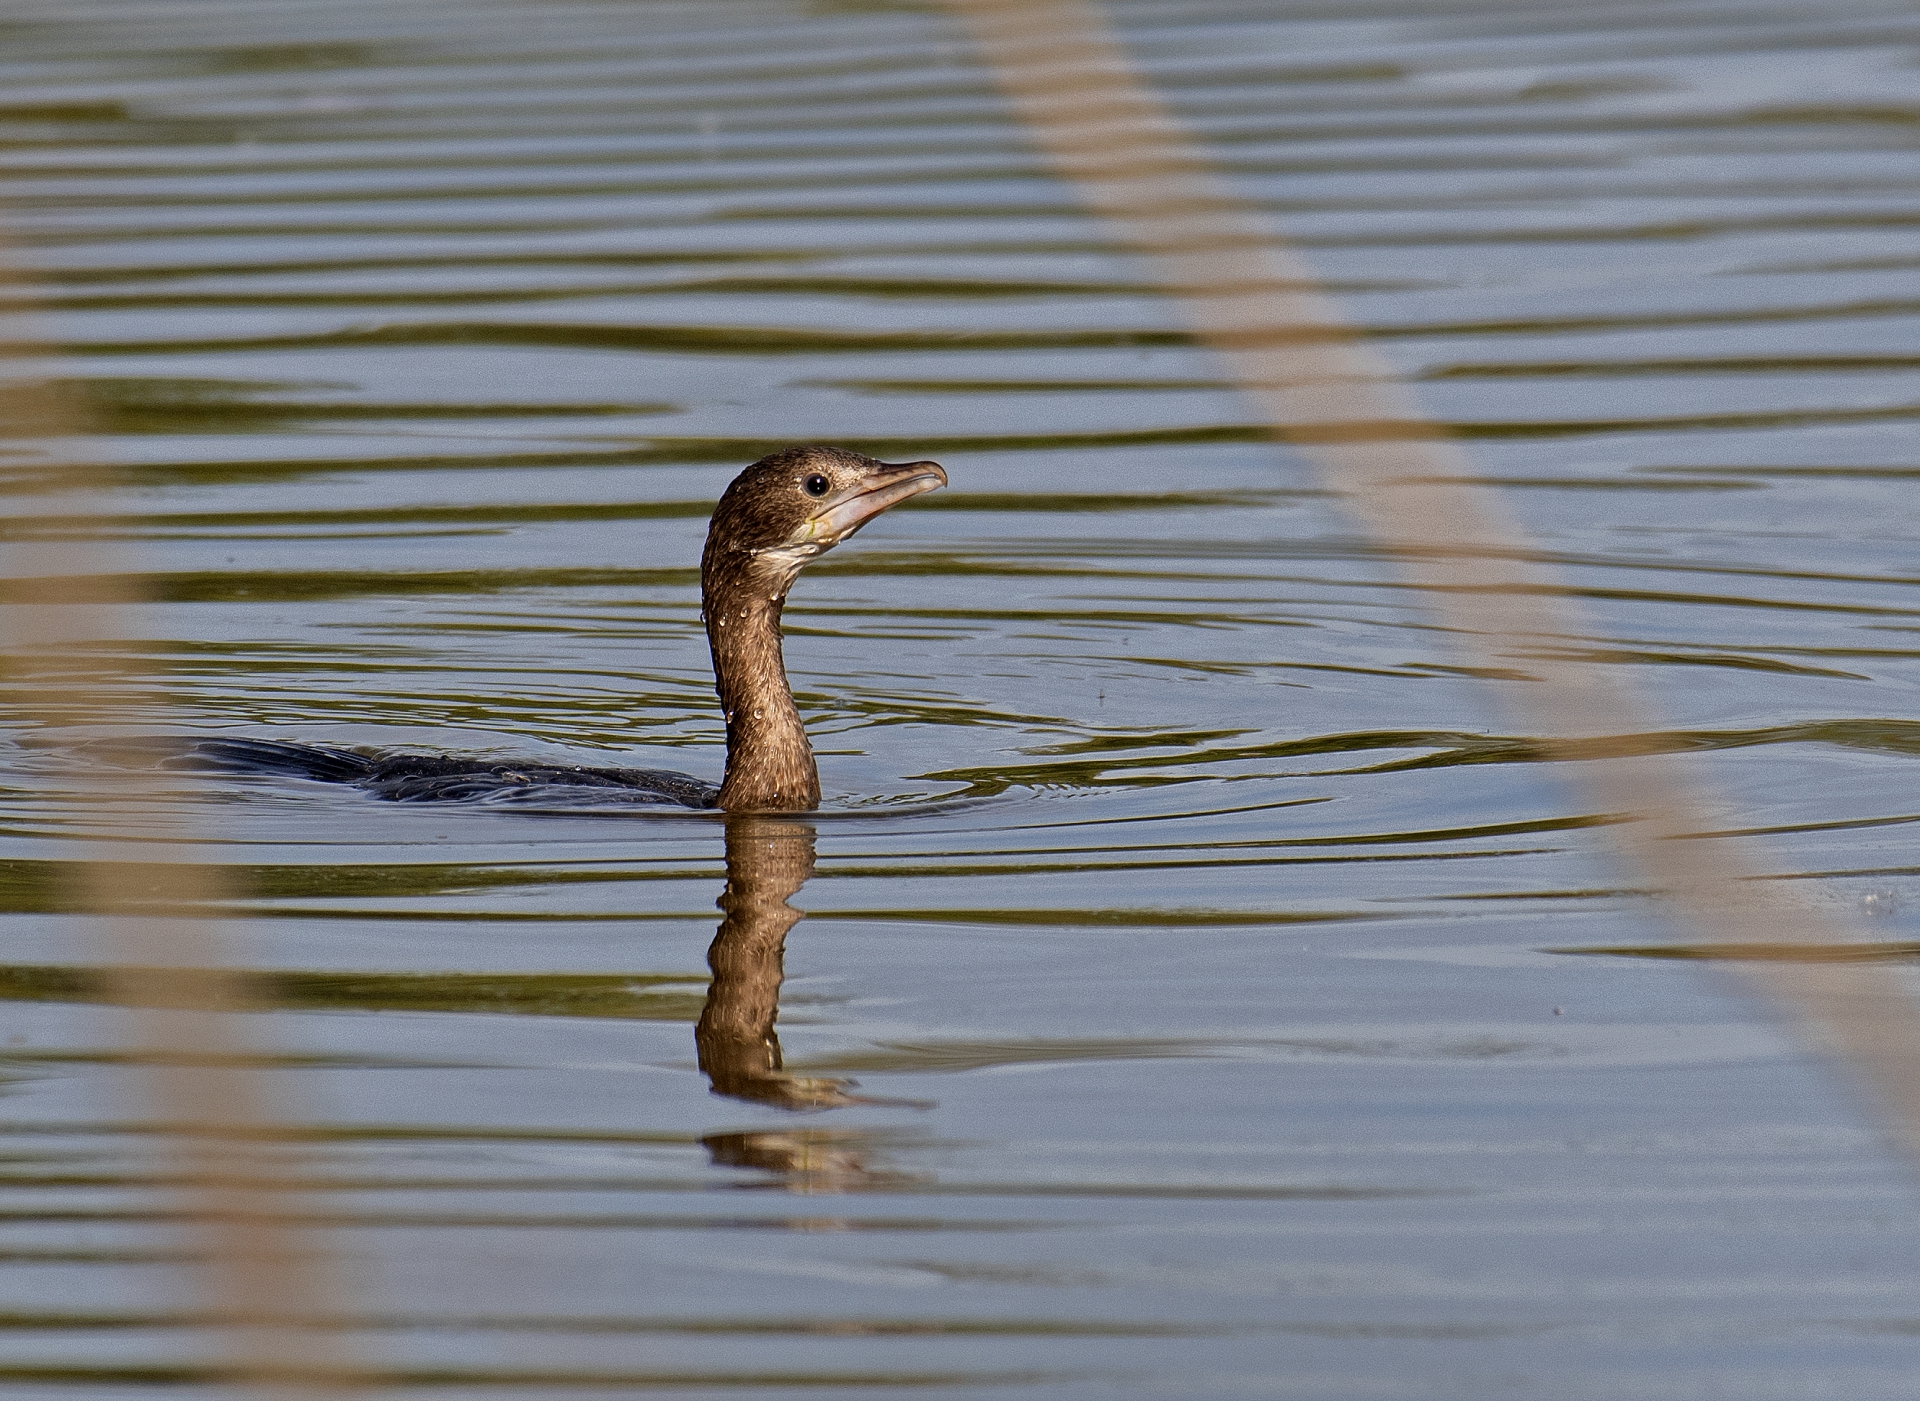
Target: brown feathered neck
{"points": [[777, 515], [770, 766]]}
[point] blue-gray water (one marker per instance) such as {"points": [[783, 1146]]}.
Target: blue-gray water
{"points": [[1198, 907]]}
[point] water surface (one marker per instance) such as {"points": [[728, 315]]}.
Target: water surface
{"points": [[1180, 1006]]}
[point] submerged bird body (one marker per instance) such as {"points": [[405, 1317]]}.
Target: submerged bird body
{"points": [[429, 778], [777, 515]]}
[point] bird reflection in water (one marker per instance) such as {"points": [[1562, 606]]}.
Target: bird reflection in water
{"points": [[768, 859]]}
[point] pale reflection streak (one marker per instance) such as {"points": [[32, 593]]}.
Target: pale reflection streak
{"points": [[152, 895], [1298, 356]]}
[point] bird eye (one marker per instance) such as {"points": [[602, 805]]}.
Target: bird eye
{"points": [[818, 485]]}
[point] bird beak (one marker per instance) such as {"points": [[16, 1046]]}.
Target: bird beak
{"points": [[840, 515]]}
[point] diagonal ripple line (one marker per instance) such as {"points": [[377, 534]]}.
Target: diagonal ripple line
{"points": [[1307, 366], [152, 906]]}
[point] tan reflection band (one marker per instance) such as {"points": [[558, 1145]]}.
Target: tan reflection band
{"points": [[1300, 358], [230, 1145]]}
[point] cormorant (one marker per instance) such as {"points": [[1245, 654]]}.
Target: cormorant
{"points": [[783, 511]]}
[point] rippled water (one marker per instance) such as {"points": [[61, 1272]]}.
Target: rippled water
{"points": [[1187, 918]]}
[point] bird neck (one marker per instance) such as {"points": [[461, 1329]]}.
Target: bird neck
{"points": [[769, 762]]}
